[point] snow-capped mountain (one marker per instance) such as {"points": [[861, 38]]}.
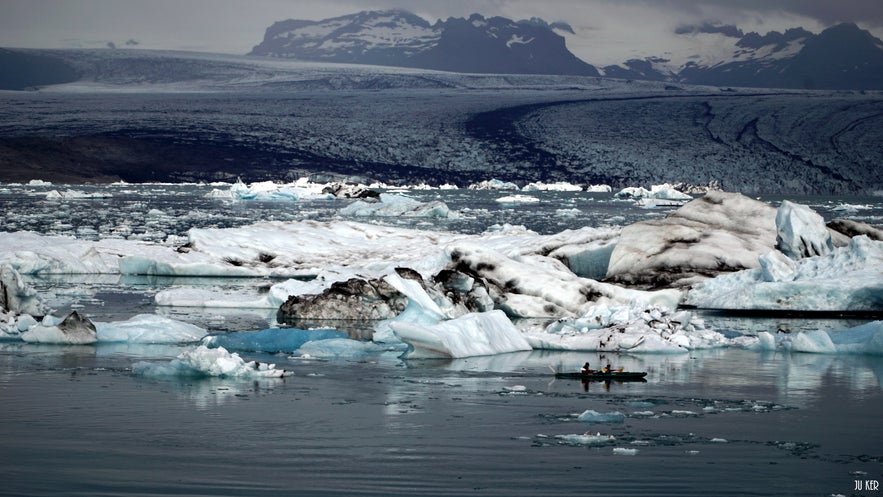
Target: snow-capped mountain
{"points": [[399, 38], [842, 57]]}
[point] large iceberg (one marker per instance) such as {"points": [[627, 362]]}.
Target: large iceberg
{"points": [[847, 279], [714, 234]]}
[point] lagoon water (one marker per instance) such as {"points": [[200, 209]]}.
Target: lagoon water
{"points": [[77, 421]]}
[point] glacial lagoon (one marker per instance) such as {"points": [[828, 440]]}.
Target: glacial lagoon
{"points": [[357, 420]]}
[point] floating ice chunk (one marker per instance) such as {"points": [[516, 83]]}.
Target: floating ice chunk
{"points": [[493, 184], [599, 189], [801, 232], [270, 191], [866, 339], [586, 439], [474, 334], [561, 186], [270, 340], [518, 199], [591, 416], [149, 328], [206, 362], [622, 451], [397, 205]]}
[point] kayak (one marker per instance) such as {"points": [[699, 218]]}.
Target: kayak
{"points": [[598, 375]]}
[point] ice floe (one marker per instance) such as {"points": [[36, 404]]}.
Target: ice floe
{"points": [[143, 328], [846, 279], [205, 362], [391, 205]]}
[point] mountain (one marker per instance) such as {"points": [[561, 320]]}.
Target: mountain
{"points": [[397, 38], [842, 57]]}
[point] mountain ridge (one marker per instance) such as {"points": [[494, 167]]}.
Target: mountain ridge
{"points": [[841, 57], [399, 38]]}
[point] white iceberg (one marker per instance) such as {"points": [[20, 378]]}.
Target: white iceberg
{"points": [[866, 339], [628, 328], [801, 232], [592, 416], [847, 279], [518, 199], [475, 334], [493, 184], [586, 439], [302, 189], [143, 329], [398, 205], [206, 362]]}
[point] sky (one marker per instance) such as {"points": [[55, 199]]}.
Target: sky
{"points": [[607, 31]]}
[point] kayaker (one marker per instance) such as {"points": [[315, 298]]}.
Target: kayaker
{"points": [[586, 369], [606, 369]]}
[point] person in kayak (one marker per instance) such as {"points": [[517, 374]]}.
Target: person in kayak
{"points": [[586, 369]]}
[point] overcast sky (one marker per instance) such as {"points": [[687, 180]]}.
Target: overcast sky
{"points": [[608, 31]]}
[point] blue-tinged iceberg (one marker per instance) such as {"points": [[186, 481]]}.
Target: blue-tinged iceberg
{"points": [[866, 339], [270, 340], [846, 279]]}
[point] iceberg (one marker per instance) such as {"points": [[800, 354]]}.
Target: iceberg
{"points": [[270, 340], [801, 232], [561, 186], [204, 362], [302, 189], [397, 205], [16, 297], [846, 279], [143, 328], [714, 234], [493, 184], [865, 339], [628, 328], [592, 416], [474, 334], [586, 439], [518, 199], [536, 286]]}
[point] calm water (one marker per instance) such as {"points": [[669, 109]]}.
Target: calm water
{"points": [[76, 421], [728, 422]]}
